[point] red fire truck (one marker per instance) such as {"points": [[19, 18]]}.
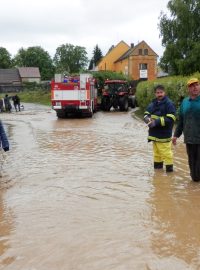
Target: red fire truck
{"points": [[74, 95]]}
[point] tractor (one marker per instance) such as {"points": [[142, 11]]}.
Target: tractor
{"points": [[116, 94]]}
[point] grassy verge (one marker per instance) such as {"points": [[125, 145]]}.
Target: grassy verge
{"points": [[138, 114], [39, 96]]}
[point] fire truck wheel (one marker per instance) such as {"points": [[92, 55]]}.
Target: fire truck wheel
{"points": [[61, 114]]}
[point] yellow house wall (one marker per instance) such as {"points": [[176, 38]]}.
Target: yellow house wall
{"points": [[151, 62], [135, 60], [107, 63], [122, 66]]}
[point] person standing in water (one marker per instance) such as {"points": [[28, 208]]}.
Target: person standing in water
{"points": [[189, 125]]}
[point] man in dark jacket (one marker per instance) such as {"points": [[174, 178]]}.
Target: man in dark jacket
{"points": [[189, 125], [16, 102], [160, 117], [3, 138], [7, 103]]}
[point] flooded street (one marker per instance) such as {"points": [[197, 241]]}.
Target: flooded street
{"points": [[81, 194]]}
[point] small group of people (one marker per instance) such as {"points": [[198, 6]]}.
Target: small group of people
{"points": [[160, 117], [5, 103]]}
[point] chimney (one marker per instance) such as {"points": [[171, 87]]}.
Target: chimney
{"points": [[132, 45]]}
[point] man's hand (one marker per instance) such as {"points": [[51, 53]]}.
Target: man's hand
{"points": [[174, 140], [152, 123], [147, 119]]}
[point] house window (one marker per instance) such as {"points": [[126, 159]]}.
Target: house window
{"points": [[140, 51], [143, 71], [143, 66], [145, 51]]}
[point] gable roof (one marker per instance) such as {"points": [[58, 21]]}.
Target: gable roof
{"points": [[29, 72], [144, 43], [124, 56], [132, 50], [114, 47], [111, 50], [9, 75]]}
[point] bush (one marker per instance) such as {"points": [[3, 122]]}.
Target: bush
{"points": [[33, 86], [101, 76], [175, 87]]}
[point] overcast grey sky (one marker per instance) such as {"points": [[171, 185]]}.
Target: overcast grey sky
{"points": [[49, 24]]}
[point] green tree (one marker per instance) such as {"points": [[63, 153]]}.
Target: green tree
{"points": [[91, 64], [101, 76], [97, 55], [20, 58], [5, 58], [70, 58], [180, 34], [36, 57]]}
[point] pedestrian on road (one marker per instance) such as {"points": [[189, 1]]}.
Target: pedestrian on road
{"points": [[189, 125], [16, 102], [1, 104], [3, 138], [7, 103], [160, 117]]}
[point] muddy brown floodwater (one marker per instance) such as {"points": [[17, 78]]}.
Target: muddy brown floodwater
{"points": [[81, 194]]}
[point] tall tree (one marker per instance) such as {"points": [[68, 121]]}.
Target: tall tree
{"points": [[180, 34], [5, 58], [36, 57], [91, 64], [97, 55], [70, 58]]}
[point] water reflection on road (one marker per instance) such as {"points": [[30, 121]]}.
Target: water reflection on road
{"points": [[82, 194]]}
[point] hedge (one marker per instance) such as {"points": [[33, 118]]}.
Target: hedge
{"points": [[175, 87]]}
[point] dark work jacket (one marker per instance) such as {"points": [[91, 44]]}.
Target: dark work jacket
{"points": [[189, 121], [3, 138], [163, 112]]}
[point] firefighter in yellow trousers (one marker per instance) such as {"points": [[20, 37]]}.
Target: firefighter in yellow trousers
{"points": [[160, 117]]}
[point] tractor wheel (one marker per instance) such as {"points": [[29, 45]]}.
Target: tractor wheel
{"points": [[115, 103], [123, 103], [105, 104], [132, 102]]}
